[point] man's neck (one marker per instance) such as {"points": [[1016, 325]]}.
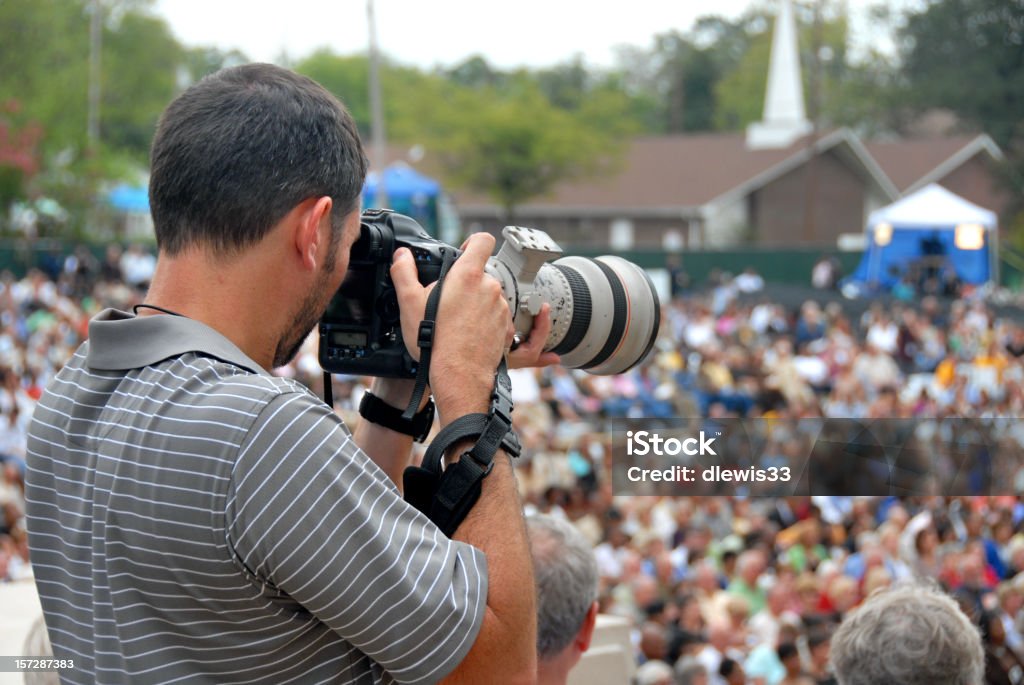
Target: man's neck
{"points": [[555, 670], [236, 297]]}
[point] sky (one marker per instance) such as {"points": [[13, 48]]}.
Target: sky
{"points": [[428, 33]]}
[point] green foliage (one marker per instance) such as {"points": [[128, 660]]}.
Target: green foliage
{"points": [[140, 68], [19, 154], [44, 60], [515, 145], [741, 93], [347, 78], [968, 56], [509, 135]]}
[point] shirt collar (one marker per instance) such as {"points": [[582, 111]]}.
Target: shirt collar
{"points": [[119, 340]]}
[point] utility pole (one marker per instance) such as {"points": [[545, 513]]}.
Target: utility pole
{"points": [[95, 48], [379, 140], [814, 83]]}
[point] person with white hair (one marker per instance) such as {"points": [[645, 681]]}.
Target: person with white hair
{"points": [[911, 634], [565, 573], [689, 671]]}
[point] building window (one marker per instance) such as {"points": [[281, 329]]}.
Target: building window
{"points": [[621, 234]]}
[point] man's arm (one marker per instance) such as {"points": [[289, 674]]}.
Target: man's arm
{"points": [[389, 449], [474, 330], [506, 647]]}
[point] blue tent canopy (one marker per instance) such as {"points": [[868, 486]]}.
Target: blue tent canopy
{"points": [[408, 192], [401, 181], [128, 198], [931, 225]]}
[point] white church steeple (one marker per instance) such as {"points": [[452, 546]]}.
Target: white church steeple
{"points": [[784, 117]]}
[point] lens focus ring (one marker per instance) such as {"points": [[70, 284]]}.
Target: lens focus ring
{"points": [[581, 310]]}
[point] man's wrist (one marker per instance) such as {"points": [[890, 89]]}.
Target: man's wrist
{"points": [[460, 393], [378, 411], [397, 392]]}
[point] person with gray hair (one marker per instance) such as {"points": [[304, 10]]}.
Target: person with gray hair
{"points": [[912, 634], [565, 573], [689, 671]]}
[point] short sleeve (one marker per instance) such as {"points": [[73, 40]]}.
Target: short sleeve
{"points": [[310, 514]]}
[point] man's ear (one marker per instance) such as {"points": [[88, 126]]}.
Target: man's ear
{"points": [[312, 230], [586, 632]]}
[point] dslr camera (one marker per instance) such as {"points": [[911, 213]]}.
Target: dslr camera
{"points": [[605, 312]]}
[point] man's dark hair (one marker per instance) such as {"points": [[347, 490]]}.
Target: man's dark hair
{"points": [[238, 150], [727, 666], [786, 650]]}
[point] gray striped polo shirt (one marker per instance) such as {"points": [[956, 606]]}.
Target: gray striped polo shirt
{"points": [[194, 519]]}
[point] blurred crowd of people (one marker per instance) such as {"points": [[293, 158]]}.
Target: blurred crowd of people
{"points": [[730, 589]]}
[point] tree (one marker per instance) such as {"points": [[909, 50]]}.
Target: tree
{"points": [[141, 62], [515, 147], [968, 56], [673, 84], [347, 78], [475, 72], [45, 57], [19, 155]]}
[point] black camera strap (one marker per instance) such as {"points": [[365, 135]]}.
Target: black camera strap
{"points": [[446, 495], [425, 337]]}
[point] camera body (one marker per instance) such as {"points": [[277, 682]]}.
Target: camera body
{"points": [[605, 312], [361, 333]]}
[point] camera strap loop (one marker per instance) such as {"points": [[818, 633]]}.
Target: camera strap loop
{"points": [[447, 495], [425, 337]]}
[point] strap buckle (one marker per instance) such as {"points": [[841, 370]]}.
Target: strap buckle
{"points": [[425, 338]]}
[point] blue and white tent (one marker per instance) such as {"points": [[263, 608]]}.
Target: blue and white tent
{"points": [[932, 222], [408, 192]]}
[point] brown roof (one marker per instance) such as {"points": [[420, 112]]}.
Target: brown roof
{"points": [[908, 161], [670, 171], [688, 171], [681, 171]]}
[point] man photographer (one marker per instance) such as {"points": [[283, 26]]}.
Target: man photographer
{"points": [[194, 518]]}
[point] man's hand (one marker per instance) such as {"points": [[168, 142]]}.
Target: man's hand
{"points": [[473, 329], [531, 351]]}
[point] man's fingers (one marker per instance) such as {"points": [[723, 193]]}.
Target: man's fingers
{"points": [[404, 276], [541, 325], [531, 352], [540, 330], [478, 248]]}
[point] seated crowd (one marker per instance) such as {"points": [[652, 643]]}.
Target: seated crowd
{"points": [[720, 589]]}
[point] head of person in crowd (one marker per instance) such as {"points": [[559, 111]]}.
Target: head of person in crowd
{"points": [[565, 573], [789, 657], [689, 671], [911, 634], [653, 641], [732, 672], [654, 673], [749, 567]]}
